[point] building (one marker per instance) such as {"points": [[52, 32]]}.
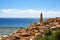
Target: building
{"points": [[41, 19]]}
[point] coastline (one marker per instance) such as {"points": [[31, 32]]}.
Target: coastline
{"points": [[33, 31], [7, 30]]}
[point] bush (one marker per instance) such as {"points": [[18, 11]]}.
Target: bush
{"points": [[57, 35], [51, 36], [48, 32]]}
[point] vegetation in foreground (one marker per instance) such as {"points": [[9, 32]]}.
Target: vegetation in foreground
{"points": [[51, 36]]}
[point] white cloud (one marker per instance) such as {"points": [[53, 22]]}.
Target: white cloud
{"points": [[8, 10], [27, 13]]}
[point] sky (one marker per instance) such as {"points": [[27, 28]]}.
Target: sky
{"points": [[29, 8]]}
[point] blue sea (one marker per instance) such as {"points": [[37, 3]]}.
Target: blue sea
{"points": [[17, 22], [9, 25]]}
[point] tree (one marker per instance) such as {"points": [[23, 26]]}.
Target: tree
{"points": [[48, 32], [57, 35]]}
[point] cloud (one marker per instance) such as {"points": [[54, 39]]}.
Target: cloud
{"points": [[8, 10], [27, 13]]}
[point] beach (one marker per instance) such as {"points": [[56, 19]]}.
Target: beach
{"points": [[7, 30]]}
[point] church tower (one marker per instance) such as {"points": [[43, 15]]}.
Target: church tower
{"points": [[41, 19]]}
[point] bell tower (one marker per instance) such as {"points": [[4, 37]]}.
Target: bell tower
{"points": [[41, 19]]}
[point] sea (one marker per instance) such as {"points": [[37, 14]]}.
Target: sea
{"points": [[9, 25]]}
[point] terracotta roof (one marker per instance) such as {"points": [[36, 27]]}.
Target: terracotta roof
{"points": [[34, 28], [26, 35], [38, 25], [57, 20], [46, 23]]}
